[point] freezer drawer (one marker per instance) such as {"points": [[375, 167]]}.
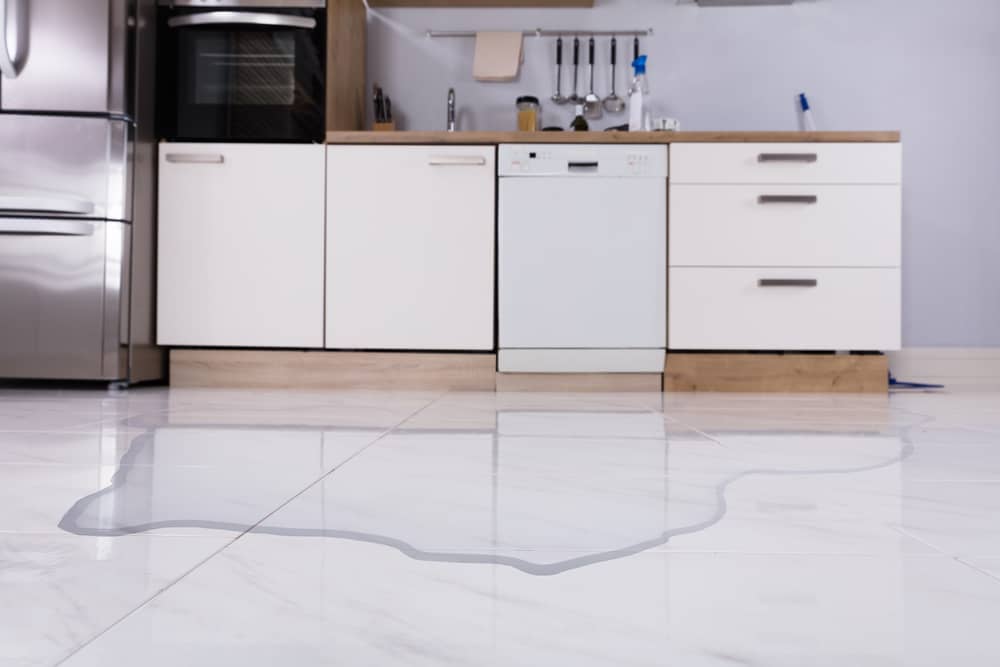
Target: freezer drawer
{"points": [[69, 56], [60, 289], [57, 166]]}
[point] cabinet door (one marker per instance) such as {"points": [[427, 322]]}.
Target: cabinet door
{"points": [[241, 245], [410, 238]]}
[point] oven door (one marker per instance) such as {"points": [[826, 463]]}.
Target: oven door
{"points": [[251, 74]]}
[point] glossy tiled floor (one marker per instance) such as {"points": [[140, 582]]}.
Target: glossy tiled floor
{"points": [[160, 527]]}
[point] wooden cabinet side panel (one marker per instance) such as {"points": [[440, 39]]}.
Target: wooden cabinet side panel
{"points": [[346, 65]]}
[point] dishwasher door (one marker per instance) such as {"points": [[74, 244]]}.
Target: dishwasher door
{"points": [[60, 288], [583, 266]]}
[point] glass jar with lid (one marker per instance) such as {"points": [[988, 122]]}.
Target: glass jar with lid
{"points": [[529, 114]]}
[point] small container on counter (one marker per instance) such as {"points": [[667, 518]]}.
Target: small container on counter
{"points": [[529, 114]]}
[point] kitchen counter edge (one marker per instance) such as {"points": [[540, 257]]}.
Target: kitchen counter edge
{"points": [[445, 138]]}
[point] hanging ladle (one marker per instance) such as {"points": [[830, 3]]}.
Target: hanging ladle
{"points": [[613, 103]]}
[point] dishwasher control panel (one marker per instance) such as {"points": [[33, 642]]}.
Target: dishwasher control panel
{"points": [[584, 160]]}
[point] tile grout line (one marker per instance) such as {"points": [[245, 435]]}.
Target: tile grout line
{"points": [[674, 420], [145, 603], [958, 559]]}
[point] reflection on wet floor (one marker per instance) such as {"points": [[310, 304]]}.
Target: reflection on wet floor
{"points": [[413, 528]]}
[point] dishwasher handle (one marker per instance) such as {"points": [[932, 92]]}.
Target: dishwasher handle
{"points": [[586, 166]]}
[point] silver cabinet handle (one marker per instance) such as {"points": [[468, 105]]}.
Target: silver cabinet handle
{"points": [[787, 199], [46, 227], [10, 63], [242, 18], [787, 282], [457, 161], [195, 158], [42, 203], [787, 157]]}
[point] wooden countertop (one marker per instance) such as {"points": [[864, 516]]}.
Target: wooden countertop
{"points": [[607, 137]]}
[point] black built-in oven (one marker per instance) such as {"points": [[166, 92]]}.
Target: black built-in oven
{"points": [[241, 70]]}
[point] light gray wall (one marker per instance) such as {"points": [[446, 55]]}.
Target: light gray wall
{"points": [[930, 68]]}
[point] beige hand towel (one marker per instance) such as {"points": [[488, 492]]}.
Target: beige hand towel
{"points": [[498, 56]]}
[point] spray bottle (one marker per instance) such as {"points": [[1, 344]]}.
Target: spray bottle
{"points": [[638, 93]]}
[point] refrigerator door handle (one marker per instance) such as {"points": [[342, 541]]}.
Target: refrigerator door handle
{"points": [[10, 63], [46, 227], [45, 203]]}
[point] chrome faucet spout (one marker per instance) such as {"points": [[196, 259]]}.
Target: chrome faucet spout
{"points": [[451, 109]]}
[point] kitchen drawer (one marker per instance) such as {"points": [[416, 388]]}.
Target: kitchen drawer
{"points": [[786, 163], [738, 309], [787, 225]]}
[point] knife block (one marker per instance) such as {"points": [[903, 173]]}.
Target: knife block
{"points": [[384, 127]]}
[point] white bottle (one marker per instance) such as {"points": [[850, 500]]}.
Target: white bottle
{"points": [[637, 94]]}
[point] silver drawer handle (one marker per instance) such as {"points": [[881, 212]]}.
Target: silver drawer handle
{"points": [[46, 228], [787, 282], [787, 157], [195, 158], [787, 199], [457, 161]]}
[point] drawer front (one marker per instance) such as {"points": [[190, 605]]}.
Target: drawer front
{"points": [[786, 225], [786, 163], [784, 309], [62, 166]]}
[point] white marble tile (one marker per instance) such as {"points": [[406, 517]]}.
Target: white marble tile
{"points": [[59, 591], [958, 518], [417, 528], [305, 601], [330, 409], [441, 494], [177, 480]]}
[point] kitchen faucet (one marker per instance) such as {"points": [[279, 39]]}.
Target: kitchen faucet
{"points": [[451, 109]]}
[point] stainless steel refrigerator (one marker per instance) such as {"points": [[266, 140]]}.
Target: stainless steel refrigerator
{"points": [[77, 190]]}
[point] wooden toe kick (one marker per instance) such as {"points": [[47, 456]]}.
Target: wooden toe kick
{"points": [[766, 372], [320, 369]]}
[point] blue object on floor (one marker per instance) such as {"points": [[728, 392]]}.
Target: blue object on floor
{"points": [[899, 384]]}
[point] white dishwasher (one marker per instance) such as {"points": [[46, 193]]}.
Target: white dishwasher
{"points": [[582, 244]]}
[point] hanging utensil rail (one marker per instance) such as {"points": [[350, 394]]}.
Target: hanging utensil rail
{"points": [[542, 32]]}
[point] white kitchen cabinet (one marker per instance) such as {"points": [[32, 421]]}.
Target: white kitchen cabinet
{"points": [[410, 247], [241, 231], [785, 247]]}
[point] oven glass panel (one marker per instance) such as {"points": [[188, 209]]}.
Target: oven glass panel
{"points": [[243, 69]]}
